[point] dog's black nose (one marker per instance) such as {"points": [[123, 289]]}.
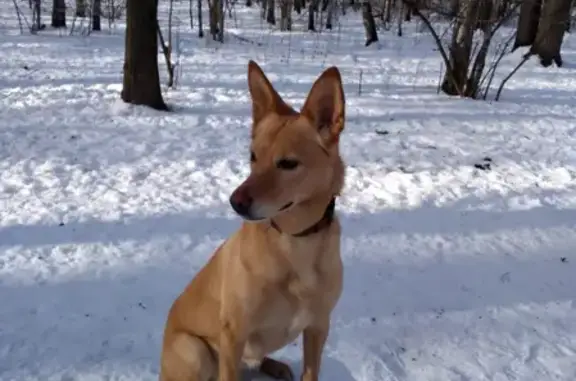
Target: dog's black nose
{"points": [[241, 203]]}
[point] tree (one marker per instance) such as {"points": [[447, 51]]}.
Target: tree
{"points": [[548, 41], [369, 23], [81, 8], [59, 14], [312, 9], [216, 19], [286, 15], [36, 15], [298, 5], [330, 5], [141, 82], [270, 13], [527, 26], [460, 49], [465, 66], [96, 12]]}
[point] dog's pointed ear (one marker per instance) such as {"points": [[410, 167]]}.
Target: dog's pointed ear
{"points": [[325, 105], [265, 99]]}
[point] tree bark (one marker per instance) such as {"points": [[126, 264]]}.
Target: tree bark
{"points": [[311, 15], [286, 15], [555, 15], [330, 14], [96, 12], [36, 15], [502, 8], [263, 4], [271, 12], [388, 7], [298, 5], [213, 17], [369, 23], [527, 26], [454, 82], [200, 23], [485, 23], [141, 82], [454, 8], [216, 19], [400, 11], [407, 13], [59, 14], [81, 8], [221, 16], [485, 11]]}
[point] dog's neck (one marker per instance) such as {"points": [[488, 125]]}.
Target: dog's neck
{"points": [[305, 219]]}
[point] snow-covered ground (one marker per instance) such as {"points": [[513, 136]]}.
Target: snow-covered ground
{"points": [[453, 273]]}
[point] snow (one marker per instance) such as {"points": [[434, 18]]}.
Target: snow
{"points": [[452, 272]]}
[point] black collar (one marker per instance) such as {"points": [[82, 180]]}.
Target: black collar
{"points": [[323, 223]]}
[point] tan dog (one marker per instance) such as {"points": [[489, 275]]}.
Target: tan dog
{"points": [[280, 274]]}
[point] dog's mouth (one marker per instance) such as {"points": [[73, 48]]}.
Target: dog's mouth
{"points": [[286, 206], [250, 217]]}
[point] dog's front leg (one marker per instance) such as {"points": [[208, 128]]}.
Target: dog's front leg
{"points": [[314, 340], [232, 343]]}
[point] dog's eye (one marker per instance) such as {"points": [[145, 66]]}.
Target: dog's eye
{"points": [[252, 157], [287, 164]]}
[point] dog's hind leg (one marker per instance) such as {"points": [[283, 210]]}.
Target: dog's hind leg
{"points": [[187, 358]]}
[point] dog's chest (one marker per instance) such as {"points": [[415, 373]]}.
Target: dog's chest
{"points": [[291, 306], [287, 312]]}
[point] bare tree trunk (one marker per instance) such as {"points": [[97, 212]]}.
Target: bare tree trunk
{"points": [[527, 23], [454, 82], [503, 6], [214, 8], [19, 15], [454, 8], [408, 12], [264, 5], [200, 25], [485, 22], [298, 5], [555, 15], [330, 14], [141, 82], [388, 6], [81, 8], [167, 46], [221, 16], [369, 23], [96, 12], [170, 13], [167, 51], [286, 15], [400, 11], [36, 15], [484, 15], [59, 14], [271, 12], [311, 14], [191, 13]]}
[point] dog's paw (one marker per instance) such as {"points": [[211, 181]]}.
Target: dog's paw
{"points": [[276, 369]]}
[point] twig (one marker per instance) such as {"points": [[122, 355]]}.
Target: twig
{"points": [[19, 18], [525, 59]]}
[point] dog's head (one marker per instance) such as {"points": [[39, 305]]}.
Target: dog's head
{"points": [[294, 155]]}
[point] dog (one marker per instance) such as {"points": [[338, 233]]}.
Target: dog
{"points": [[280, 274]]}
